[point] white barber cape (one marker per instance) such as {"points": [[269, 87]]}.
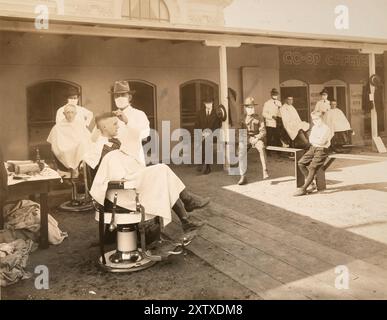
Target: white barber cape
{"points": [[69, 142], [129, 144], [270, 110], [292, 121], [337, 121], [83, 115], [157, 185]]}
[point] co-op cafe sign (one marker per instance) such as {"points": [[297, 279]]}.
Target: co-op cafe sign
{"points": [[315, 59]]}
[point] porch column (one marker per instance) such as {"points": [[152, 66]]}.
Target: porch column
{"points": [[223, 91], [377, 142]]}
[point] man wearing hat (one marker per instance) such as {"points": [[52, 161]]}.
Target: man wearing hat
{"points": [[271, 114], [323, 105], [252, 125], [82, 114], [208, 120], [134, 119]]}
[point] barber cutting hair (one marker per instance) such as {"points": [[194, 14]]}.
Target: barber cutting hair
{"points": [[159, 187], [129, 116]]}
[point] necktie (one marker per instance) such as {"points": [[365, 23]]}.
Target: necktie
{"points": [[116, 144]]}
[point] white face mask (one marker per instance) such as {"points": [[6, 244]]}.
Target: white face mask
{"points": [[208, 105], [73, 102], [275, 97], [249, 111], [121, 102]]}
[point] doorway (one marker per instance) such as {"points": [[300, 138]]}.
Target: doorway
{"points": [[43, 100]]}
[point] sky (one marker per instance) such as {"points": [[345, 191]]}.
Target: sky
{"points": [[367, 18]]}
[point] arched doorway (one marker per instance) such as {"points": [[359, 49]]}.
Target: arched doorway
{"points": [[43, 100], [337, 89], [192, 95], [144, 99], [299, 91]]}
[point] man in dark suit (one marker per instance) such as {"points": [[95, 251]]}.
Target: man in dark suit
{"points": [[208, 121], [3, 188]]}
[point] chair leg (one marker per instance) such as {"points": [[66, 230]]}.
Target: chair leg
{"points": [[102, 235]]}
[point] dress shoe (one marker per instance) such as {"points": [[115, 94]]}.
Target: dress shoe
{"points": [[195, 202], [242, 180], [300, 192], [189, 225]]}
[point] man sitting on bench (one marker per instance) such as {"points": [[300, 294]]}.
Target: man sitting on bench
{"points": [[314, 158], [159, 188]]}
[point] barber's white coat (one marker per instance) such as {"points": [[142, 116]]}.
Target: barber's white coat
{"points": [[270, 110], [292, 121], [158, 186]]}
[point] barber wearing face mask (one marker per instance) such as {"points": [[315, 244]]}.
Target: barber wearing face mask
{"points": [[271, 114], [130, 118], [82, 114], [207, 120]]}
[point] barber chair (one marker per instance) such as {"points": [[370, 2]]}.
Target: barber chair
{"points": [[139, 242], [79, 202]]}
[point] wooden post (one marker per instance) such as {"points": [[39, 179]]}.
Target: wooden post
{"points": [[374, 115], [223, 92], [377, 142]]}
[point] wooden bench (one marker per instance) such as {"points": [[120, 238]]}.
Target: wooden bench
{"points": [[320, 175], [298, 153]]}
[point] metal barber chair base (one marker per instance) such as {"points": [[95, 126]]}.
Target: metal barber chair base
{"points": [[125, 264], [79, 202], [139, 241]]}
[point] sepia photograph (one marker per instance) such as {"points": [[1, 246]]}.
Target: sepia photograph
{"points": [[193, 155]]}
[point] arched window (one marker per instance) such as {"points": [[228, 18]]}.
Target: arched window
{"points": [[144, 99], [145, 10], [337, 89], [192, 95], [299, 91], [43, 100]]}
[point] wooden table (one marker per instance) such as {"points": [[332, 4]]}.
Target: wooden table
{"points": [[39, 184]]}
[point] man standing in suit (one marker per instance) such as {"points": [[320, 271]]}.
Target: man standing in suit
{"points": [[208, 121]]}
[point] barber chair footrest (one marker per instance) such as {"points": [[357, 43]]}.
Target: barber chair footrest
{"points": [[118, 262], [76, 206]]}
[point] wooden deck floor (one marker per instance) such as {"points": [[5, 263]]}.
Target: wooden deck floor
{"points": [[278, 254]]}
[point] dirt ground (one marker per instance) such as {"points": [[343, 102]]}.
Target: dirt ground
{"points": [[73, 273]]}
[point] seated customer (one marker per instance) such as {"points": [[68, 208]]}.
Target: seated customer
{"points": [[69, 140], [339, 125], [159, 188], [314, 158], [256, 136], [294, 126]]}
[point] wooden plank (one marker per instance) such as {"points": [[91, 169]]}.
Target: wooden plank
{"points": [[366, 279], [248, 276], [292, 278], [321, 252], [357, 157], [148, 29], [283, 149], [305, 263]]}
